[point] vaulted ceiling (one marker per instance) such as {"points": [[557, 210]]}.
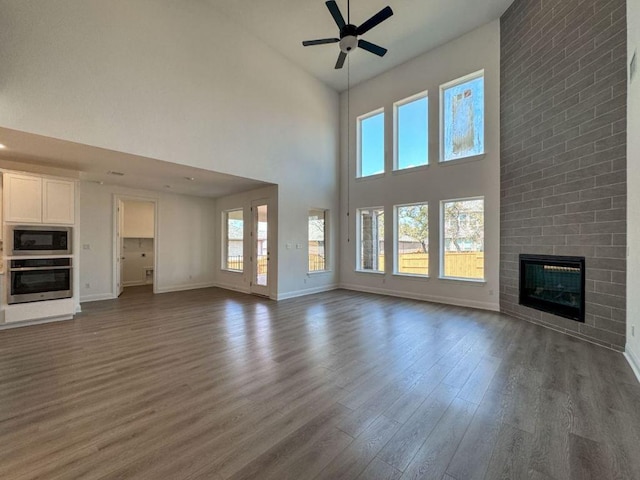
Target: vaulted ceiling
{"points": [[416, 27]]}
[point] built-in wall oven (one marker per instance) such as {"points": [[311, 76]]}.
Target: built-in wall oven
{"points": [[39, 240], [37, 279]]}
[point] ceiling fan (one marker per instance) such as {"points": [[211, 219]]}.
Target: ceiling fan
{"points": [[349, 33]]}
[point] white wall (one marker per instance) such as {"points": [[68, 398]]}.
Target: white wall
{"points": [[139, 257], [175, 81], [475, 51], [186, 235], [139, 219], [633, 189]]}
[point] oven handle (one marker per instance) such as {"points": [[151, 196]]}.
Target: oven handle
{"points": [[33, 269]]}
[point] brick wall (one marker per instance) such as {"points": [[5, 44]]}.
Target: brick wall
{"points": [[563, 153]]}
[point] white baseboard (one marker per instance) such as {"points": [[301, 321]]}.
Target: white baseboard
{"points": [[135, 283], [232, 287], [27, 323], [306, 291], [182, 288], [459, 302], [97, 297], [633, 360]]}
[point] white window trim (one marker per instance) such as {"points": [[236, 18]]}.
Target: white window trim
{"points": [[359, 121], [359, 268], [395, 240], [396, 105], [441, 274], [326, 242], [443, 87]]}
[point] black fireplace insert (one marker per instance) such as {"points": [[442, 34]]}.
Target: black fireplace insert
{"points": [[553, 284]]}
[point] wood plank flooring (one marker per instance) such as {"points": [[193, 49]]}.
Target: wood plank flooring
{"points": [[211, 384]]}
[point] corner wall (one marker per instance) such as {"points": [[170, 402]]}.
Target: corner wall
{"points": [[563, 143], [633, 179]]}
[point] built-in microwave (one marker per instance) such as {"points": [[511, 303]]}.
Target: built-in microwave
{"points": [[39, 240]]}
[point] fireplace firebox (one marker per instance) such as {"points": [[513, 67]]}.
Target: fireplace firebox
{"points": [[553, 284]]}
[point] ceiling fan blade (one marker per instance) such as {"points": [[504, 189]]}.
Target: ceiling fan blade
{"points": [[335, 13], [322, 41], [379, 17], [341, 59], [372, 47]]}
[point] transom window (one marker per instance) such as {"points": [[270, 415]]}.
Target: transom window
{"points": [[371, 144], [462, 117], [411, 132]]}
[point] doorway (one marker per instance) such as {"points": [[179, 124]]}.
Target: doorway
{"points": [[260, 248], [135, 244]]}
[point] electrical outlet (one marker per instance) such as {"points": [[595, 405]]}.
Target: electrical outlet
{"points": [[87, 285], [86, 246], [304, 280], [490, 292], [633, 331]]}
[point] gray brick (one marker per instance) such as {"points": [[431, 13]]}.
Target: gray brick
{"points": [[582, 217], [611, 215], [611, 252], [594, 239], [590, 205], [603, 227]]}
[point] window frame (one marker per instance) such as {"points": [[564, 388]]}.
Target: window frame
{"points": [[396, 237], [225, 240], [326, 236], [451, 84], [359, 268], [396, 130], [441, 239], [359, 121]]}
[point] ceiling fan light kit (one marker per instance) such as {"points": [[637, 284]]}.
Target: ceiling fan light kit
{"points": [[349, 33]]}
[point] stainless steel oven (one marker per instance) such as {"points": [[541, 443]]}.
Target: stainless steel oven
{"points": [[37, 279], [39, 240]]}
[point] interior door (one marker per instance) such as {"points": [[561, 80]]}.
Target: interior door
{"points": [[260, 248], [119, 249]]}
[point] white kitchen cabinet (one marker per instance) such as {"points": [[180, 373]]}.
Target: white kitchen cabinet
{"points": [[58, 201], [22, 198], [32, 199]]}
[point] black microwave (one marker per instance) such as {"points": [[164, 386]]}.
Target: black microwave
{"points": [[39, 240]]}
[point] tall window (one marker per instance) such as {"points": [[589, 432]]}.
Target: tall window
{"points": [[317, 240], [411, 132], [412, 239], [371, 239], [234, 240], [463, 238], [462, 117], [371, 144]]}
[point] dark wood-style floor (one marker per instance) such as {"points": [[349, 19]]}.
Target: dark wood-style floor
{"points": [[211, 384]]}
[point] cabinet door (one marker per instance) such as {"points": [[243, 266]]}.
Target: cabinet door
{"points": [[22, 198], [58, 201]]}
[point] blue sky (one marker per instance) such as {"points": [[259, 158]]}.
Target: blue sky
{"points": [[412, 138]]}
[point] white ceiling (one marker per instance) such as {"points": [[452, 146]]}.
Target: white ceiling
{"points": [[417, 26], [93, 164]]}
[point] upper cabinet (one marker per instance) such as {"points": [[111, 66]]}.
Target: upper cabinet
{"points": [[32, 199], [58, 201]]}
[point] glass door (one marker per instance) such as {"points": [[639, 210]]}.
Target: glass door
{"points": [[260, 248]]}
